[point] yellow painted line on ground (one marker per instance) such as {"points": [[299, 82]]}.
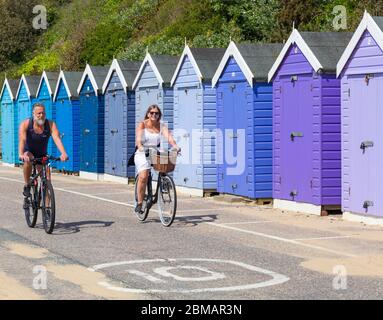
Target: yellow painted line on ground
{"points": [[11, 289]]}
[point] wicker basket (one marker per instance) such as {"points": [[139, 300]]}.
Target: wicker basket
{"points": [[164, 161]]}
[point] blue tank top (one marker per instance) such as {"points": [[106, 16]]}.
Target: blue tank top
{"points": [[37, 144]]}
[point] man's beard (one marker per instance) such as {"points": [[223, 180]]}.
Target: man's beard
{"points": [[40, 122]]}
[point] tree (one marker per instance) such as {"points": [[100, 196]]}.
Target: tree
{"points": [[17, 35]]}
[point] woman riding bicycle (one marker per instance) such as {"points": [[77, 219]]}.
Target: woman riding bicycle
{"points": [[148, 134]]}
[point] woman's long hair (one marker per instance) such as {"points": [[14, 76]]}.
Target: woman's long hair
{"points": [[151, 107]]}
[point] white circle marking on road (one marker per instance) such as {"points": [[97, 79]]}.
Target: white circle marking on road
{"points": [[276, 277]]}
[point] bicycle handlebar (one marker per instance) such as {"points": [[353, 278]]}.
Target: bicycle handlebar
{"points": [[44, 159], [159, 152]]}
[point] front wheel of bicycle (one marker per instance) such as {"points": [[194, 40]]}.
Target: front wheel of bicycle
{"points": [[167, 200], [143, 214], [48, 207], [31, 207]]}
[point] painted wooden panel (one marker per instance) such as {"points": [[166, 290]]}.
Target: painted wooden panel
{"points": [[294, 63], [188, 125], [320, 183], [68, 123], [119, 128], [331, 141], [255, 106], [9, 132], [44, 97], [209, 138], [366, 58], [263, 137], [91, 129]]}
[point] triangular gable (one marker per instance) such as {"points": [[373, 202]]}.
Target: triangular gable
{"points": [[62, 77], [232, 51], [186, 53], [148, 59], [115, 66], [6, 85], [44, 77], [295, 38], [88, 73], [367, 23], [23, 80]]}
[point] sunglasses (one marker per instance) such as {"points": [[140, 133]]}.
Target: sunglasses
{"points": [[154, 113]]}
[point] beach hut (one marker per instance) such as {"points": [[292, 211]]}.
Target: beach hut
{"points": [[195, 119], [44, 95], [92, 113], [9, 129], [25, 98], [361, 72], [244, 119], [306, 122], [119, 120], [67, 108], [152, 86]]}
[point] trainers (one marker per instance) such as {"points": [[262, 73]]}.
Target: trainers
{"points": [[138, 208], [27, 191]]}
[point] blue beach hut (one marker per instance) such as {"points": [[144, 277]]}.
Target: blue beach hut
{"points": [[25, 98], [44, 95], [195, 119], [244, 120], [92, 116], [9, 130], [119, 119], [152, 86], [67, 108]]}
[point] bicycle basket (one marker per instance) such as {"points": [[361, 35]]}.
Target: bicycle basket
{"points": [[163, 161]]}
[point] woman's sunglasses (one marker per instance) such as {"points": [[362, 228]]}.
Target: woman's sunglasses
{"points": [[154, 113]]}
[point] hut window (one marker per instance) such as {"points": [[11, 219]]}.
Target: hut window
{"points": [[294, 78]]}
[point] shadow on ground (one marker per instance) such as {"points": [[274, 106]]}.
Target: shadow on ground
{"points": [[187, 221], [75, 227]]}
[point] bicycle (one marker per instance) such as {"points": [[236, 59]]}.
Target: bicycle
{"points": [[41, 196], [165, 195]]}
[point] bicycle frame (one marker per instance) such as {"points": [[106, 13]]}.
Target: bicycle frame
{"points": [[153, 198]]}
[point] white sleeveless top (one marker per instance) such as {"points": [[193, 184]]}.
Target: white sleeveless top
{"points": [[150, 139]]}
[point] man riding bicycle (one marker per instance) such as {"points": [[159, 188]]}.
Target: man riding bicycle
{"points": [[34, 134]]}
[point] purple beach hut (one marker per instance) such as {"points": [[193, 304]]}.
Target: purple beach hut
{"points": [[306, 123], [361, 72]]}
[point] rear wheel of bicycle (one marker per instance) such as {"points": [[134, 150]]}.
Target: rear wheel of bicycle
{"points": [[48, 207], [167, 200], [143, 214], [31, 207]]}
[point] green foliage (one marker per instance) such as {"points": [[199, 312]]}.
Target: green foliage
{"points": [[95, 31], [41, 62]]}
